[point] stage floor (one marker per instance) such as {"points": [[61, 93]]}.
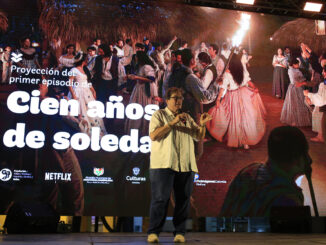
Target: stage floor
{"points": [[165, 238]]}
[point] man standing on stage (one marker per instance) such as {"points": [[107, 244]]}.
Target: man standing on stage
{"points": [[172, 163]]}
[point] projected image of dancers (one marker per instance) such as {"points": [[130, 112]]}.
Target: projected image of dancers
{"points": [[77, 98]]}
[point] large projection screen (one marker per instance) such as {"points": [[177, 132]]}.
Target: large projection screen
{"points": [[88, 156]]}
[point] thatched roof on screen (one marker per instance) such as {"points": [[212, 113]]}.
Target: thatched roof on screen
{"points": [[297, 31], [86, 19], [3, 22]]}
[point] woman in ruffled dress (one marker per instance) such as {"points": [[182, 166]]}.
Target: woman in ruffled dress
{"points": [[280, 77], [84, 93], [239, 117], [295, 112], [144, 93]]}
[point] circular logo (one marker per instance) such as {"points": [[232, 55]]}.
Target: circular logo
{"points": [[5, 174]]}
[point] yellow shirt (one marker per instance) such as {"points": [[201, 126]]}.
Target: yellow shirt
{"points": [[176, 150]]}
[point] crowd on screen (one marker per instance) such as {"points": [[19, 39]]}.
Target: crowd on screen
{"points": [[301, 81], [142, 72]]}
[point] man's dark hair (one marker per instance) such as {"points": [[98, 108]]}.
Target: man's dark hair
{"points": [[95, 39], [140, 45], [172, 90], [204, 57], [178, 76], [293, 61], [215, 47], [106, 49], [178, 52], [323, 56], [186, 56], [286, 144], [120, 39], [91, 48], [22, 40], [128, 40], [156, 44], [183, 43], [70, 46]]}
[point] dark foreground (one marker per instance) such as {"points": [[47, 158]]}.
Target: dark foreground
{"points": [[192, 238]]}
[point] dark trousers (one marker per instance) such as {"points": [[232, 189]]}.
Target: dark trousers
{"points": [[105, 88], [163, 181]]}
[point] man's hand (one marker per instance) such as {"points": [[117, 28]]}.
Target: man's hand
{"points": [[84, 123], [308, 101], [158, 99], [131, 77], [175, 38], [300, 84], [180, 117], [219, 80], [204, 118], [306, 92], [302, 45]]}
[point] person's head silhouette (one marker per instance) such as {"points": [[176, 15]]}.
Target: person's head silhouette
{"points": [[288, 151]]}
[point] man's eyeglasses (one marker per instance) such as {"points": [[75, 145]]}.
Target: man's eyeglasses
{"points": [[177, 98]]}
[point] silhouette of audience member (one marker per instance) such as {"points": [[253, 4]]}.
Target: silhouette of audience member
{"points": [[258, 187]]}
